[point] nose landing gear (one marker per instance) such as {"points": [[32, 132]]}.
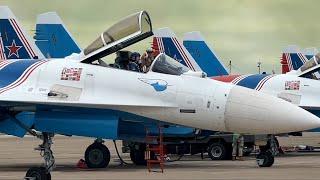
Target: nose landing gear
{"points": [[266, 156], [43, 172]]}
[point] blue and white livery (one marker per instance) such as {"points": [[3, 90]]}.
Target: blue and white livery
{"points": [[53, 38], [73, 96]]}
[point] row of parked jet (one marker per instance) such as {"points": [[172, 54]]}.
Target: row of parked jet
{"points": [[51, 87]]}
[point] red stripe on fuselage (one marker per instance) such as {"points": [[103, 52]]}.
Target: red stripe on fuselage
{"points": [[227, 78]]}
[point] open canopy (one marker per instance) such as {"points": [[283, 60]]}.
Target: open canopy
{"points": [[127, 31]]}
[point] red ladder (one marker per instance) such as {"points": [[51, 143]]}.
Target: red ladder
{"points": [[154, 150]]}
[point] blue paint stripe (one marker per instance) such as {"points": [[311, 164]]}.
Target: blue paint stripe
{"points": [[205, 58], [13, 71], [296, 61], [252, 81], [172, 51]]}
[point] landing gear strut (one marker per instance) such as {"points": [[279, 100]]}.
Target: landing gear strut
{"points": [[43, 172], [266, 156]]}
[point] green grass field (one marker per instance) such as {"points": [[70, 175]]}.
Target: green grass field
{"points": [[244, 31]]}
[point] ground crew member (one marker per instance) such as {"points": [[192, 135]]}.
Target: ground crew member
{"points": [[237, 145], [146, 60]]}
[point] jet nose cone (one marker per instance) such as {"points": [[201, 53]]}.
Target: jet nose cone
{"points": [[253, 112]]}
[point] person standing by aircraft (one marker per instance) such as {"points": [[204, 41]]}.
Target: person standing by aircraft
{"points": [[146, 60], [132, 65], [237, 145]]}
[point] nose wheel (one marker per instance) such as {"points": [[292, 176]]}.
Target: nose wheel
{"points": [[43, 172], [266, 156], [37, 173], [265, 159]]}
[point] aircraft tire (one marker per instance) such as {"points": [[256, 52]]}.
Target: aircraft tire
{"points": [[137, 155], [217, 151], [265, 159], [97, 155], [38, 173]]}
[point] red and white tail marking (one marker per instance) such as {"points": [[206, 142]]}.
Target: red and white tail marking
{"points": [[22, 37]]}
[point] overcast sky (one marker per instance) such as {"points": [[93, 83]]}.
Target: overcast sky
{"points": [[244, 31]]}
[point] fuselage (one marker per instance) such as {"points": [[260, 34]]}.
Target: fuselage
{"points": [[90, 86], [179, 99]]}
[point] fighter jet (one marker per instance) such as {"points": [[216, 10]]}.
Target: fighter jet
{"points": [[77, 95]]}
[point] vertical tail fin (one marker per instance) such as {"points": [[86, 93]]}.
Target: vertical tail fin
{"points": [[14, 41], [165, 41], [293, 58], [203, 54], [53, 38]]}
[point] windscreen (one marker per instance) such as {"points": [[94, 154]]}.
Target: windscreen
{"points": [[166, 65], [134, 24]]}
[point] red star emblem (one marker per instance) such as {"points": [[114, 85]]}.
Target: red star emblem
{"points": [[13, 49]]}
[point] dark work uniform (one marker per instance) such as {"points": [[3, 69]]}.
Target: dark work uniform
{"points": [[132, 66]]}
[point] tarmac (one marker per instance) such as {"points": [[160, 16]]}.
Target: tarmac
{"points": [[17, 155]]}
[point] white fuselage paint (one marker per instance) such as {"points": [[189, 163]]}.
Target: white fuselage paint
{"points": [[187, 100], [307, 95], [109, 88]]}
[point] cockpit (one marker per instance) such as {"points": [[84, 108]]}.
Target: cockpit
{"points": [[126, 32], [310, 69]]}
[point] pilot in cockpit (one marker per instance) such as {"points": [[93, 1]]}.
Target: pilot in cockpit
{"points": [[146, 60], [133, 62]]}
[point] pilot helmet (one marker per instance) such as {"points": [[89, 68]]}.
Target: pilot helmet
{"points": [[149, 50], [134, 56]]}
